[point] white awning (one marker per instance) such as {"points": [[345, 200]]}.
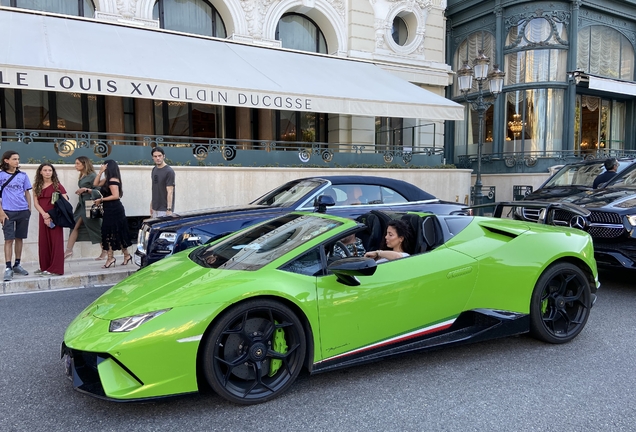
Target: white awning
{"points": [[44, 52], [613, 86]]}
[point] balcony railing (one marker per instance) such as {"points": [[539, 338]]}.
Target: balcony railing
{"points": [[533, 161], [37, 146]]}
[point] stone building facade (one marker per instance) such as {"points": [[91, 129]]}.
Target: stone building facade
{"points": [[405, 39], [569, 86]]}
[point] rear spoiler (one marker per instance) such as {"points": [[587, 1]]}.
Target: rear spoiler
{"points": [[546, 215]]}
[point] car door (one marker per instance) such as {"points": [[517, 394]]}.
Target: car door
{"points": [[402, 296]]}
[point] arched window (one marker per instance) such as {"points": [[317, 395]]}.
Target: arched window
{"points": [[83, 8], [605, 52], [300, 33], [536, 51], [189, 16]]}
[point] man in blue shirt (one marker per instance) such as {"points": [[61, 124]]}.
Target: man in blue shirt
{"points": [[15, 210], [611, 165]]}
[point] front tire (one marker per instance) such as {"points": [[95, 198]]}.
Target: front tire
{"points": [[254, 352], [560, 304]]}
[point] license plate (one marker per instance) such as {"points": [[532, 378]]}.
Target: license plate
{"points": [[137, 259]]}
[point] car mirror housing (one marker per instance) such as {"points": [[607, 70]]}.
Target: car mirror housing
{"points": [[322, 202], [347, 269]]}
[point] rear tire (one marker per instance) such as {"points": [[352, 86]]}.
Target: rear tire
{"points": [[254, 352], [560, 304]]}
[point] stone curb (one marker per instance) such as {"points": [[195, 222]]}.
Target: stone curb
{"points": [[80, 275]]}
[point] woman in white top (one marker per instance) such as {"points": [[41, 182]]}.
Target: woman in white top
{"points": [[398, 241]]}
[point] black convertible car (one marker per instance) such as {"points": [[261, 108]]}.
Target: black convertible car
{"points": [[353, 195]]}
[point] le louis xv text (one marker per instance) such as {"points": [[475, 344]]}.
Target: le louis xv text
{"points": [[36, 80]]}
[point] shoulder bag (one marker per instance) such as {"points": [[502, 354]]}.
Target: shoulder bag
{"points": [[94, 211], [17, 171]]}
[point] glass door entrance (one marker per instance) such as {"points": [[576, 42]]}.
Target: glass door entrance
{"points": [[599, 124]]}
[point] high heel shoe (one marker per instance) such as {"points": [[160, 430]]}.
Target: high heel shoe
{"points": [[68, 254], [127, 259], [110, 263], [101, 257]]}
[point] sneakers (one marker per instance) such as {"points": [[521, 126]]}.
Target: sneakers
{"points": [[8, 274], [19, 270]]}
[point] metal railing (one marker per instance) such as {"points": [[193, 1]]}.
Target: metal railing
{"points": [[532, 158], [39, 145]]}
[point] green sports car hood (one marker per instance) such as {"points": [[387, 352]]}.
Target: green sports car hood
{"points": [[175, 281]]}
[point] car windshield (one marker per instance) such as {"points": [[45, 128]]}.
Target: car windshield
{"points": [[627, 178], [576, 175], [289, 193], [255, 247]]}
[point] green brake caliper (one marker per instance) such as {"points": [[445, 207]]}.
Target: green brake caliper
{"points": [[544, 305], [279, 345]]}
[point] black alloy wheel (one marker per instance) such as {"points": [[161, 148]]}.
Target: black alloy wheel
{"points": [[254, 352], [560, 304]]}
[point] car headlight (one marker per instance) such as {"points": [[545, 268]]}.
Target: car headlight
{"points": [[127, 324], [632, 220], [169, 236], [165, 243]]}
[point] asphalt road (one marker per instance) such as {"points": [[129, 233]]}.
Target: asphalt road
{"points": [[512, 384]]}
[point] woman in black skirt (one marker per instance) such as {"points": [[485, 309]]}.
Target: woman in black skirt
{"points": [[114, 225]]}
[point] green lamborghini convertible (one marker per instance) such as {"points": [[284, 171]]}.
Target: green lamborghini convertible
{"points": [[246, 313]]}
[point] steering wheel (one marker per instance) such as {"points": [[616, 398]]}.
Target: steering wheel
{"points": [[342, 246]]}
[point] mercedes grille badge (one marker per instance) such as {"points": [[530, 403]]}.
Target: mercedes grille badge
{"points": [[578, 222]]}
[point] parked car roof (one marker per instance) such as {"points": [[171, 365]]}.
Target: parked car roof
{"points": [[406, 189]]}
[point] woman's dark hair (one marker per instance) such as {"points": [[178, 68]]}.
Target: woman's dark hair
{"points": [[7, 155], [112, 171], [403, 230]]}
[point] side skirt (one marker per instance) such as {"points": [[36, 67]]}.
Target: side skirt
{"points": [[470, 326]]}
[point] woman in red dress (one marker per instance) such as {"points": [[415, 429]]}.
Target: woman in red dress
{"points": [[50, 239]]}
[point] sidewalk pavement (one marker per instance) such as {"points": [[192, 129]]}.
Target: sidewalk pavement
{"points": [[82, 272]]}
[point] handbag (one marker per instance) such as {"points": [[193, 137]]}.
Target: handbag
{"points": [[94, 211], [97, 211]]}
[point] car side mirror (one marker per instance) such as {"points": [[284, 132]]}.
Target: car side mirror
{"points": [[322, 202], [347, 269]]}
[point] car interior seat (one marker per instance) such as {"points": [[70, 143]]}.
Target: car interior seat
{"points": [[432, 232], [376, 223], [416, 224]]}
